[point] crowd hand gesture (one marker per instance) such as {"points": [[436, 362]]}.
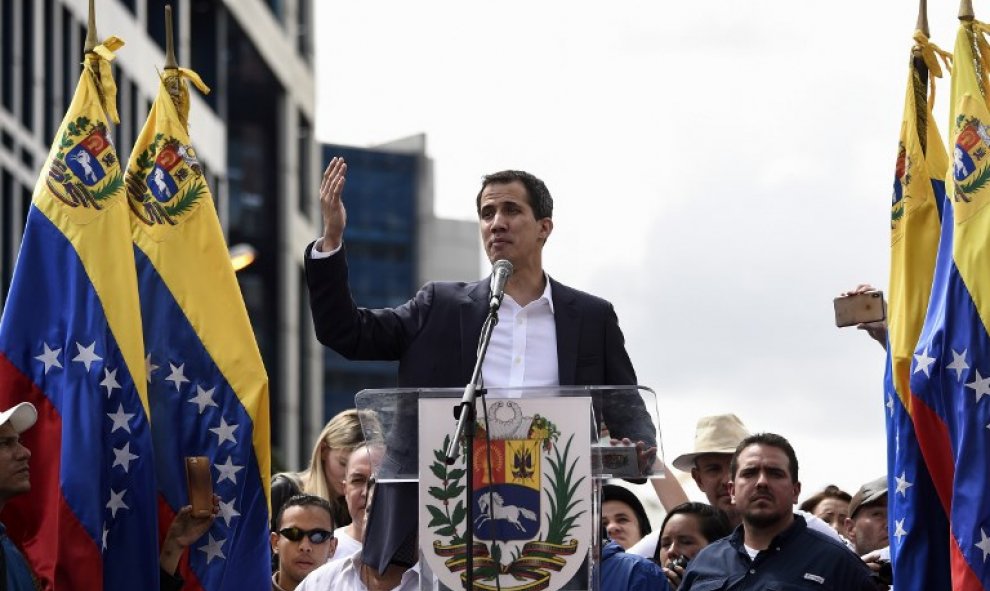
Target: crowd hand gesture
{"points": [[876, 330], [185, 529], [334, 215]]}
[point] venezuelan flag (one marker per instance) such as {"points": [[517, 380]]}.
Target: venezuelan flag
{"points": [[917, 520], [952, 355], [70, 342], [207, 386]]}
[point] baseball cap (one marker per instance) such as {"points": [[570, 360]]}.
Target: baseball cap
{"points": [[868, 494], [20, 416]]}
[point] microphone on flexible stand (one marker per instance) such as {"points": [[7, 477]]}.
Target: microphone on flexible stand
{"points": [[501, 271]]}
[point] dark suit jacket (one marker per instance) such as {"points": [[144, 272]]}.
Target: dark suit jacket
{"points": [[434, 336]]}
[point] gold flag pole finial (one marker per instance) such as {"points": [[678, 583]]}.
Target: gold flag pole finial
{"points": [[92, 39], [923, 17], [170, 63], [966, 10]]}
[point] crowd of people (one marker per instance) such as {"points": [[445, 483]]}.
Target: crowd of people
{"points": [[334, 527]]}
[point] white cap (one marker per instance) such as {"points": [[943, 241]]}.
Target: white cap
{"points": [[20, 416]]}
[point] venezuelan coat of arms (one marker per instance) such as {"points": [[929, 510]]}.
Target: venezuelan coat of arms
{"points": [[531, 501], [84, 171], [165, 181]]}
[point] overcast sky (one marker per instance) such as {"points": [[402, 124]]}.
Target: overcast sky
{"points": [[720, 171]]}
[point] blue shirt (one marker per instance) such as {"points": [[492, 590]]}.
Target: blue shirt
{"points": [[18, 573], [798, 558], [629, 572]]}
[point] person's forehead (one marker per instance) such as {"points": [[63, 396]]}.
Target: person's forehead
{"points": [[614, 507], [497, 192], [768, 455], [713, 459], [306, 516]]}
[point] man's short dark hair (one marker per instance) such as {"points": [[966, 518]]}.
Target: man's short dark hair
{"points": [[769, 439], [305, 501], [537, 192]]}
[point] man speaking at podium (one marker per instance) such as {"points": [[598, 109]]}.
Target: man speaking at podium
{"points": [[548, 334]]}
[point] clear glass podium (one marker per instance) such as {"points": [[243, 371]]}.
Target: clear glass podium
{"points": [[530, 498]]}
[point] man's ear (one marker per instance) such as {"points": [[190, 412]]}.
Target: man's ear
{"points": [[732, 491], [797, 492], [546, 227], [849, 529], [274, 542]]}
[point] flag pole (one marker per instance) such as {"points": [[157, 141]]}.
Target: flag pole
{"points": [[966, 10], [923, 17], [170, 62], [91, 36]]}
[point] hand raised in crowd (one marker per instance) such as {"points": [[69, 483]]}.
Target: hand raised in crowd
{"points": [[184, 530], [876, 330], [332, 207]]}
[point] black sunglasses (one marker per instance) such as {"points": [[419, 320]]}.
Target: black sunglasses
{"points": [[317, 536]]}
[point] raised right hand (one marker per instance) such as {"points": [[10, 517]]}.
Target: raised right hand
{"points": [[334, 215]]}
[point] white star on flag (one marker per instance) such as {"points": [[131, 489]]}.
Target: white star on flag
{"points": [[110, 381], [105, 532], [123, 457], [899, 532], [228, 471], [980, 385], [227, 511], [116, 502], [177, 376], [87, 355], [50, 358], [903, 484], [958, 364], [212, 549], [890, 404], [203, 398], [149, 367], [984, 544], [120, 419], [224, 432], [923, 363]]}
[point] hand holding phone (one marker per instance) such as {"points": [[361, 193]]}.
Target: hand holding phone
{"points": [[860, 308], [199, 485]]}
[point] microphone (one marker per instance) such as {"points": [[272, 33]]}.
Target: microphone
{"points": [[501, 271]]}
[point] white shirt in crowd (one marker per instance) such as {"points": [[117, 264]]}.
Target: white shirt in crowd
{"points": [[345, 575], [346, 545]]}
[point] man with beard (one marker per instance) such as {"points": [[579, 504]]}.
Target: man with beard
{"points": [[773, 546]]}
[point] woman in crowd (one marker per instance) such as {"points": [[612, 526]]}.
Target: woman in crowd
{"points": [[687, 529], [623, 517], [830, 505], [325, 475]]}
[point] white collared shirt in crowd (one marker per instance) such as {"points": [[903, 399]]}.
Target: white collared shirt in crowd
{"points": [[345, 575]]}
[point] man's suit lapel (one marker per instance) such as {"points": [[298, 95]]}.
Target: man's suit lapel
{"points": [[568, 324], [473, 309]]}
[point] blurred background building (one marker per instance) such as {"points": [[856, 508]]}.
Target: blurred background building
{"points": [[254, 135]]}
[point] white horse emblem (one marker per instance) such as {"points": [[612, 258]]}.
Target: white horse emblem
{"points": [[510, 513], [159, 179], [84, 159]]}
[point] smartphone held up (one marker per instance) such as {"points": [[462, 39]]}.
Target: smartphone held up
{"points": [[860, 308]]}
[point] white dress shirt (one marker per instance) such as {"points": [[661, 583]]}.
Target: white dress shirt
{"points": [[345, 575], [523, 349], [346, 545]]}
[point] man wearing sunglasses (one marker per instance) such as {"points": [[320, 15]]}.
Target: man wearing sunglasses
{"points": [[304, 540]]}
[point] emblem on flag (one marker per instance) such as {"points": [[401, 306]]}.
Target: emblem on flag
{"points": [[531, 519], [902, 178], [84, 170], [969, 171], [165, 181]]}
